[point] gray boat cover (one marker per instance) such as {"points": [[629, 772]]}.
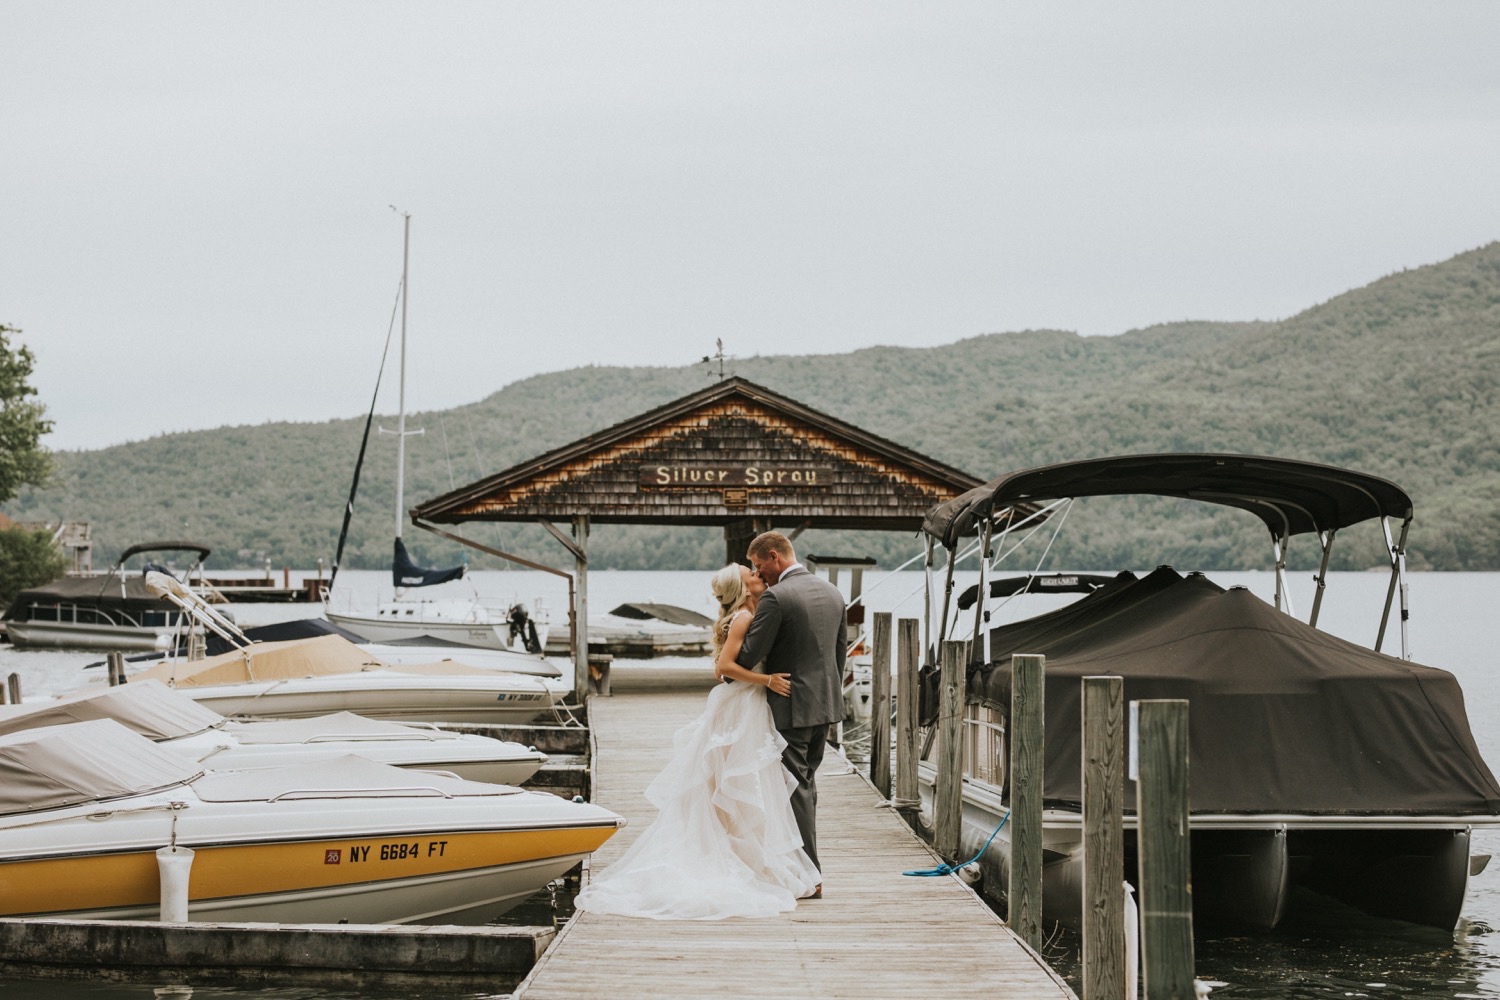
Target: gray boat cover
{"points": [[83, 762], [669, 613], [1283, 718], [149, 708]]}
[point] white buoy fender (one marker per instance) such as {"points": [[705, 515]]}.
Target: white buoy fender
{"points": [[1132, 943], [175, 865]]}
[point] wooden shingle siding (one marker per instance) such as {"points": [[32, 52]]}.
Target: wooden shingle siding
{"points": [[832, 473]]}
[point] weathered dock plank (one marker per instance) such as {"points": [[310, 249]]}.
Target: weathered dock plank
{"points": [[876, 932]]}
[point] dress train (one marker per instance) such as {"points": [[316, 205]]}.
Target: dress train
{"points": [[725, 842]]}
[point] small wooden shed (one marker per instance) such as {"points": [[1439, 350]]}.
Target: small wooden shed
{"points": [[735, 454]]}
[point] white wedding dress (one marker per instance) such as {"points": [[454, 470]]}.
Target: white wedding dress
{"points": [[724, 842]]}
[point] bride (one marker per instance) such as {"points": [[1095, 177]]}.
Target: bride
{"points": [[724, 843]]}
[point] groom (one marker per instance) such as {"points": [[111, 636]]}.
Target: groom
{"points": [[798, 629]]}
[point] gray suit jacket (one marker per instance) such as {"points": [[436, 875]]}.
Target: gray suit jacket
{"points": [[799, 629]]}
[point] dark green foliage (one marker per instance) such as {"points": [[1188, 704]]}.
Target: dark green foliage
{"points": [[1396, 379], [27, 559], [22, 460]]}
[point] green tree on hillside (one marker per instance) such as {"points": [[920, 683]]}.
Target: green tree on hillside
{"points": [[23, 461], [27, 558]]}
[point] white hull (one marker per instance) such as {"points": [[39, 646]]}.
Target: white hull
{"points": [[506, 660], [383, 695]]}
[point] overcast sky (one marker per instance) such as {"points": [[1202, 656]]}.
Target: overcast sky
{"points": [[195, 221]]}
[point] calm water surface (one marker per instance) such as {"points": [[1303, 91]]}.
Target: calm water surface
{"points": [[1329, 953]]}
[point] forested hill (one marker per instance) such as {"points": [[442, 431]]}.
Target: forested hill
{"points": [[1397, 378]]}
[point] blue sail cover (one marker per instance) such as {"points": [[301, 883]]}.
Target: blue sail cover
{"points": [[405, 573]]}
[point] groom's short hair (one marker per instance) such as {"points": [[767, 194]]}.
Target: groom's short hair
{"points": [[767, 542]]}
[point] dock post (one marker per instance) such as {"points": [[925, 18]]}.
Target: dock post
{"points": [[1027, 706], [947, 811], [908, 648], [116, 662], [1161, 795], [13, 685], [880, 709], [1103, 838]]}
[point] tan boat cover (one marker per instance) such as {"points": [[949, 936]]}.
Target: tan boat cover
{"points": [[338, 726], [316, 656], [83, 762], [149, 708], [348, 776]]}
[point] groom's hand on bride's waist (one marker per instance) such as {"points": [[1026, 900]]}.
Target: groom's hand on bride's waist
{"points": [[781, 684]]}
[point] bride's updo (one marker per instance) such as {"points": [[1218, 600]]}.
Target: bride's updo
{"points": [[729, 590]]}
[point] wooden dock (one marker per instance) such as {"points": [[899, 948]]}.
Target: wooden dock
{"points": [[876, 932]]}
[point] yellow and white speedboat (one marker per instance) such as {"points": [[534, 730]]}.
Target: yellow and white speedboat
{"points": [[85, 807], [179, 723]]}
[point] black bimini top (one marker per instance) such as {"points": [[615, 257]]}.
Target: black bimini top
{"points": [[1290, 496]]}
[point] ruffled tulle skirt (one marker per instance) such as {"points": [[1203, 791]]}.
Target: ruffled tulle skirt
{"points": [[724, 842]]}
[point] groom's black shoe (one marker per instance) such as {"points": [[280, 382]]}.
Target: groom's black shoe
{"points": [[817, 892]]}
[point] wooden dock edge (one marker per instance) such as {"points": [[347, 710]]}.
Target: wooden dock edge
{"points": [[354, 955], [974, 894]]}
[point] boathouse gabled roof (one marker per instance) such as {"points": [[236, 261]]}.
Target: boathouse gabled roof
{"points": [[733, 451]]}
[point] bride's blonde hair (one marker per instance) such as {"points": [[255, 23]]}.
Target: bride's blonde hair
{"points": [[729, 590]]}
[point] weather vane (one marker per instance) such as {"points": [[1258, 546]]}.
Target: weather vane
{"points": [[720, 357]]}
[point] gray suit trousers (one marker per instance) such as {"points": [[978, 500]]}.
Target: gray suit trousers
{"points": [[802, 756]]}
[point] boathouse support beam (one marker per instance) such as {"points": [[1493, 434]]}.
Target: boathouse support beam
{"points": [[581, 609]]}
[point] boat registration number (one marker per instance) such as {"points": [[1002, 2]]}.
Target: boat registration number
{"points": [[388, 852]]}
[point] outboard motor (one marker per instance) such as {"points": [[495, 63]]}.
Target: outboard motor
{"points": [[523, 628]]}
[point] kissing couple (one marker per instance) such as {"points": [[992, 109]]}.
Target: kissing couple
{"points": [[735, 834]]}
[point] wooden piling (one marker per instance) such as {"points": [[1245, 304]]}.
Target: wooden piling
{"points": [[947, 812], [1027, 704], [1103, 838], [1161, 794], [116, 666], [908, 649], [13, 685], [880, 708]]}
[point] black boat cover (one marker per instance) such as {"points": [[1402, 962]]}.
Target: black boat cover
{"points": [[405, 573], [1291, 497], [111, 591], [1041, 583], [1283, 718]]}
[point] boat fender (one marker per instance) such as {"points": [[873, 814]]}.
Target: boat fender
{"points": [[970, 874], [1132, 943], [175, 865], [579, 799]]}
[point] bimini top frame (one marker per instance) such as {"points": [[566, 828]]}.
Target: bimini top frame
{"points": [[1290, 497]]}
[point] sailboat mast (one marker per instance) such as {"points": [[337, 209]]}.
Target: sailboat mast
{"points": [[401, 416]]}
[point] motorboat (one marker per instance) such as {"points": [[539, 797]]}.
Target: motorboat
{"points": [[324, 672], [641, 630], [299, 678], [1315, 762], [175, 721], [90, 810], [113, 611]]}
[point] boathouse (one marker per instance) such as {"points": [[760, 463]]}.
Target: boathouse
{"points": [[735, 455]]}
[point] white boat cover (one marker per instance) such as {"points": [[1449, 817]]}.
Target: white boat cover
{"points": [[338, 726], [343, 777], [149, 708], [82, 762]]}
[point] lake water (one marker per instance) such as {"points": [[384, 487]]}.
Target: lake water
{"points": [[1453, 625]]}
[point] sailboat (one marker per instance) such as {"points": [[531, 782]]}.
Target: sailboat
{"points": [[408, 619]]}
